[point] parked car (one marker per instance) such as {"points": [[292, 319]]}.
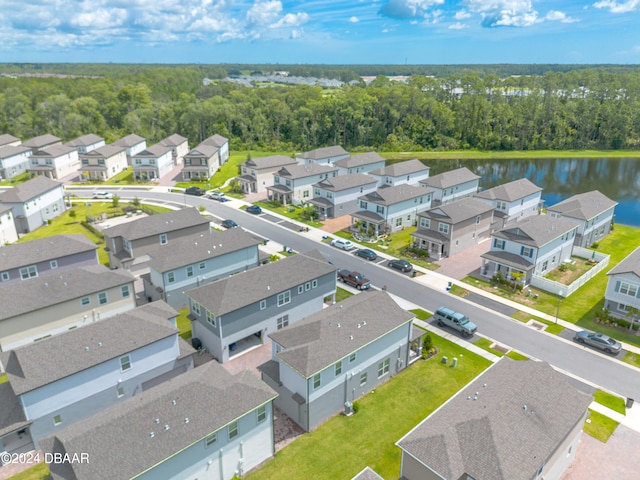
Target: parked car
{"points": [[456, 320], [229, 224], [401, 265], [195, 191], [342, 243], [598, 340], [355, 279], [102, 195], [366, 253], [255, 209], [220, 196]]}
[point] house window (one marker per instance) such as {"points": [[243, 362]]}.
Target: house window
{"points": [[195, 306], [623, 308], [84, 301], [84, 162], [379, 210], [126, 244], [282, 321], [338, 368], [307, 286], [202, 265], [163, 239], [398, 221], [316, 381], [363, 379], [545, 264], [138, 161], [190, 271], [233, 430], [124, 291], [152, 162], [352, 357], [526, 252], [383, 368], [363, 204], [314, 284], [329, 195], [443, 227], [498, 243], [211, 439], [305, 194], [53, 264], [628, 289], [101, 162], [102, 298], [477, 219], [316, 192], [261, 413], [284, 298], [57, 420], [28, 272], [5, 276], [171, 277], [211, 318], [300, 289], [125, 363], [263, 304], [425, 222], [120, 391]]}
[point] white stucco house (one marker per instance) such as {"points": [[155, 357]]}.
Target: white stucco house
{"points": [[14, 160], [153, 162], [103, 162], [55, 162]]}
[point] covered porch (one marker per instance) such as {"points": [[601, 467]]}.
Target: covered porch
{"points": [[248, 183], [433, 242], [93, 173], [191, 173], [280, 193], [510, 266], [324, 207], [368, 224], [145, 173]]}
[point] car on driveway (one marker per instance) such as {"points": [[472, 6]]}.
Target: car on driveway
{"points": [[598, 340], [366, 253], [220, 196], [229, 224], [342, 244], [102, 195], [197, 191], [255, 209], [401, 265]]}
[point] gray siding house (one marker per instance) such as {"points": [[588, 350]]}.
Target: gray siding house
{"points": [[238, 312], [132, 143], [257, 173], [512, 201], [359, 163], [323, 156], [293, 184], [409, 172], [450, 186], [623, 286], [337, 355], [337, 196]]}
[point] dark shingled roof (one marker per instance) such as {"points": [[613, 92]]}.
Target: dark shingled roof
{"points": [[12, 416], [537, 230], [367, 474], [157, 224], [29, 189], [85, 140], [106, 151], [53, 151], [630, 264], [510, 191], [458, 211], [450, 179], [359, 160], [215, 141], [325, 337], [401, 168], [129, 141], [40, 363], [43, 249], [6, 139], [173, 140], [305, 170], [271, 161], [7, 151], [126, 440], [41, 141], [324, 152], [395, 194], [344, 182], [508, 258], [202, 150], [154, 151], [584, 206], [523, 411]]}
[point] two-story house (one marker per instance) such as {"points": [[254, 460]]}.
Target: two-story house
{"points": [[409, 172], [8, 232], [512, 201], [129, 243], [7, 139], [66, 378], [449, 229], [103, 162], [34, 202], [534, 246], [45, 256], [201, 162], [257, 173], [323, 156], [449, 186], [179, 146], [221, 143], [516, 421], [86, 143], [390, 209], [205, 423], [198, 259], [56, 162], [14, 160], [153, 163], [592, 211], [234, 313], [42, 141], [623, 286], [359, 163], [337, 196], [132, 143], [54, 304], [337, 355], [293, 184]]}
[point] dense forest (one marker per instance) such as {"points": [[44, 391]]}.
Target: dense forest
{"points": [[487, 107]]}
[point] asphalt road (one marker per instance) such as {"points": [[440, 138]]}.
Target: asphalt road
{"points": [[563, 354]]}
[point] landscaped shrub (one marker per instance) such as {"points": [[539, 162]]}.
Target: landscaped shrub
{"points": [[356, 406], [427, 346], [72, 213]]}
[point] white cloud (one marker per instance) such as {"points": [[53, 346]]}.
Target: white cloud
{"points": [[407, 8], [458, 26], [504, 13], [101, 18], [291, 20], [461, 15], [354, 20], [264, 12], [556, 16], [619, 7], [296, 33]]}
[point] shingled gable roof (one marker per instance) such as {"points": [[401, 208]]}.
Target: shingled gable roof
{"points": [[37, 364], [43, 250], [42, 292], [271, 161], [202, 150], [157, 224], [451, 178], [458, 211], [173, 140], [324, 152], [85, 140], [199, 247], [151, 427], [8, 151], [401, 168], [129, 141], [41, 141], [320, 340], [53, 151], [510, 191], [6, 139], [230, 294], [154, 151], [31, 188], [215, 141], [305, 170], [395, 194], [359, 160], [503, 426], [344, 182], [584, 206], [12, 417], [630, 264], [537, 230]]}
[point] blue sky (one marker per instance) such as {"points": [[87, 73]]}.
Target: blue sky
{"points": [[320, 31]]}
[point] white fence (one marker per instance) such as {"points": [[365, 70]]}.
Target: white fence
{"points": [[556, 287]]}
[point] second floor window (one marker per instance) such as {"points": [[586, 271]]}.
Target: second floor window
{"points": [[233, 430], [190, 271], [284, 298], [498, 243], [102, 298], [282, 321], [163, 239], [211, 318], [628, 289], [443, 228], [316, 381], [125, 291], [28, 272], [526, 252], [171, 277], [125, 363], [425, 222]]}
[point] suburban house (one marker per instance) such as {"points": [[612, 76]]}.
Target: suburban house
{"points": [[55, 162], [534, 246], [66, 378], [408, 172], [257, 173], [129, 243], [132, 143], [14, 160], [42, 141], [179, 146], [336, 355], [34, 202], [359, 163], [449, 229], [8, 232], [337, 196], [86, 143], [623, 286], [103, 162], [293, 184], [449, 186], [152, 163], [323, 156], [367, 473], [201, 162], [512, 201], [390, 209], [238, 312], [205, 423], [45, 256], [9, 140], [221, 143], [198, 259], [53, 304], [593, 213], [518, 420]]}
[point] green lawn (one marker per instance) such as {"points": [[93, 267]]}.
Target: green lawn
{"points": [[421, 314], [184, 324], [599, 426], [485, 344], [3, 378], [342, 294], [17, 180], [39, 471], [552, 327], [289, 211], [632, 359], [513, 355], [614, 402], [343, 446]]}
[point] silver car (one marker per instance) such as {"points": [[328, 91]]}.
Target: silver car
{"points": [[598, 340]]}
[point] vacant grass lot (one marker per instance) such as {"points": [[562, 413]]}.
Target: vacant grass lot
{"points": [[343, 446]]}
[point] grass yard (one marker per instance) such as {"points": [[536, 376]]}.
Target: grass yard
{"points": [[485, 344], [421, 314], [572, 271], [342, 294], [39, 471], [289, 211], [614, 402], [632, 359], [552, 328], [17, 180], [513, 355], [599, 426], [184, 324], [343, 446]]}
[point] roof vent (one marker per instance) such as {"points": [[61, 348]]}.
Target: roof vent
{"points": [[338, 325], [186, 419], [350, 337], [524, 407], [166, 426], [152, 434], [157, 420], [364, 322], [359, 326], [173, 402], [86, 349], [99, 344], [484, 385]]}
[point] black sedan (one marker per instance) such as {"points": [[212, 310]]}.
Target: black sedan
{"points": [[401, 265], [197, 191], [255, 209], [598, 340], [229, 224], [366, 253]]}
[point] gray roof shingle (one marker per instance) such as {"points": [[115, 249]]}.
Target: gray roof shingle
{"points": [[129, 141], [510, 191], [106, 151], [451, 178], [41, 141], [537, 230], [344, 182], [31, 188], [359, 160], [630, 264], [216, 141], [458, 211], [401, 168], [6, 139], [395, 194], [584, 206], [12, 415], [43, 249], [157, 224], [324, 152], [154, 151], [54, 151], [173, 140], [8, 151], [85, 140], [305, 170], [202, 150], [272, 161]]}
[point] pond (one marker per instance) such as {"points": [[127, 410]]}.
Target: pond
{"points": [[617, 178]]}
